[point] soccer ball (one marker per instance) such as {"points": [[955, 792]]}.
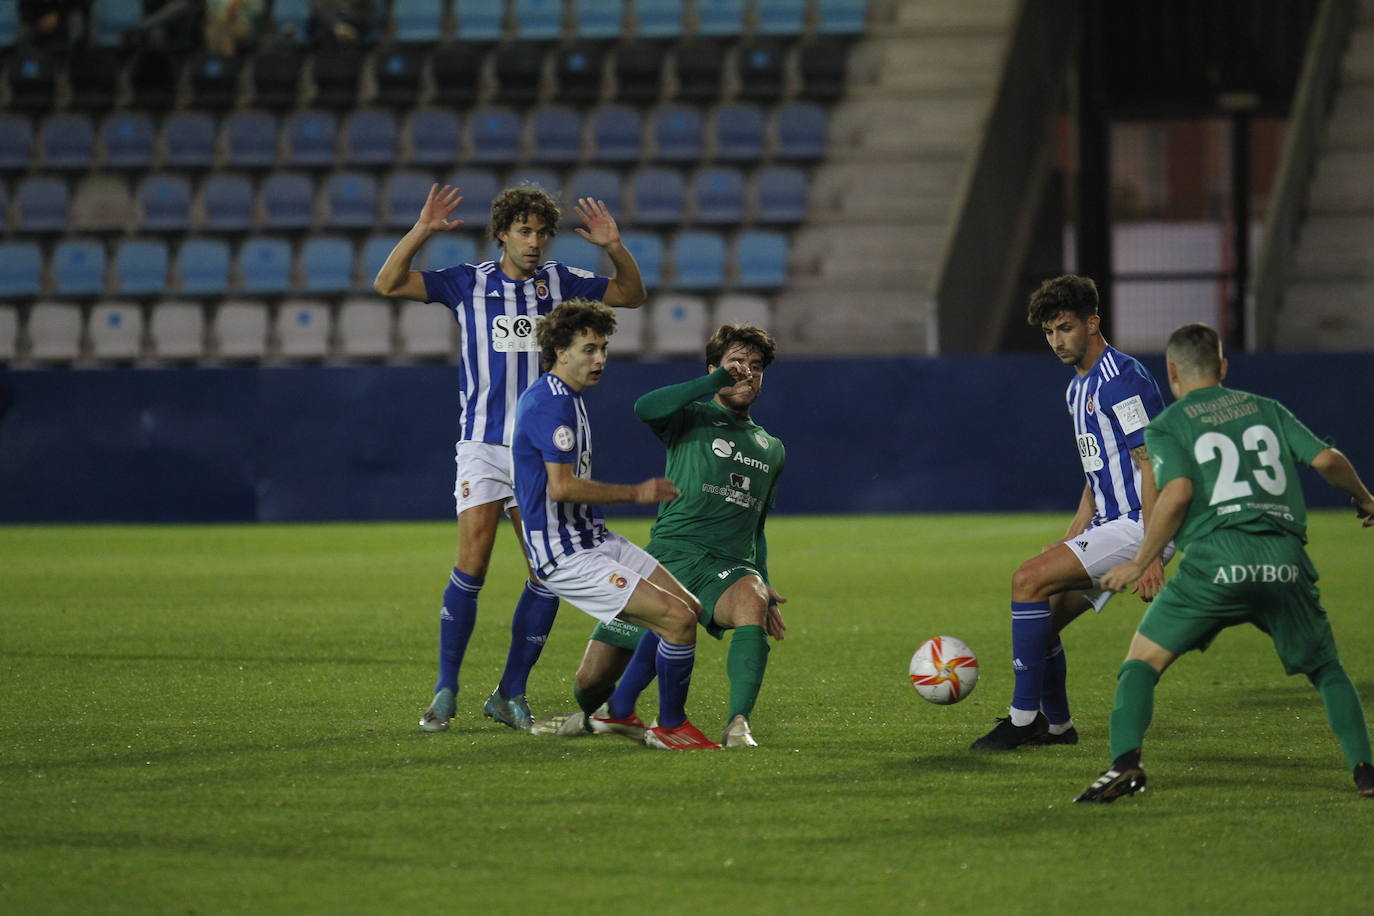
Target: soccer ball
{"points": [[944, 670]]}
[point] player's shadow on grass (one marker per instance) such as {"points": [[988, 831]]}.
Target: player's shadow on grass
{"points": [[1295, 693]]}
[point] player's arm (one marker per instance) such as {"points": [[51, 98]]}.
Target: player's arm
{"points": [[396, 278], [1170, 509], [1337, 470], [1083, 517], [662, 403], [773, 623], [566, 487], [626, 288], [1152, 580]]}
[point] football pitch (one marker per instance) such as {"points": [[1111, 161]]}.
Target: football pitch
{"points": [[223, 719]]}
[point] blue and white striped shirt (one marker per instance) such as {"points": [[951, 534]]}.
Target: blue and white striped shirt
{"points": [[497, 317], [1110, 407], [551, 425]]}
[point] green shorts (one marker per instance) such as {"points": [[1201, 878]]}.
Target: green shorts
{"points": [[1234, 577], [706, 576]]}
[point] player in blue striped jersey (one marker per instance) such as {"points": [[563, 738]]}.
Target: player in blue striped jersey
{"points": [[497, 305], [1110, 399]]}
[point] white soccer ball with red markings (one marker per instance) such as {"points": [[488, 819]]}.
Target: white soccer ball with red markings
{"points": [[944, 670]]}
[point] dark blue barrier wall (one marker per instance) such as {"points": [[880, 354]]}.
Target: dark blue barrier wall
{"points": [[889, 435]]}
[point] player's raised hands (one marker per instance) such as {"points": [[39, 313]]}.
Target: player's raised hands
{"points": [[441, 202], [601, 228], [656, 490]]}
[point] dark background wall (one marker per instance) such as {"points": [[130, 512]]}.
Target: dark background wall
{"points": [[297, 444]]}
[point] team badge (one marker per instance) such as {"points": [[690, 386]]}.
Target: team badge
{"points": [[723, 448], [618, 580], [541, 289], [761, 439], [1089, 408], [563, 439], [466, 490]]}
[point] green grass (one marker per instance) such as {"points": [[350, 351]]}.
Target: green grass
{"points": [[221, 719]]}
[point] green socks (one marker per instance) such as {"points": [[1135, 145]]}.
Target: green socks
{"points": [[1135, 704], [1344, 712], [745, 664]]}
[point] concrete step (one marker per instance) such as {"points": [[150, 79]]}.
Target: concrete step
{"points": [[853, 191], [856, 320], [1357, 68], [1336, 316], [879, 254], [913, 127], [959, 64], [1335, 248], [1352, 120], [1344, 183], [943, 17]]}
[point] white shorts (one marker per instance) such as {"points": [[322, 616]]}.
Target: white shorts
{"points": [[1107, 545], [484, 475], [600, 581]]}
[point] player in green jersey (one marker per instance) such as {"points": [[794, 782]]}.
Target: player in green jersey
{"points": [[1226, 465], [711, 538]]}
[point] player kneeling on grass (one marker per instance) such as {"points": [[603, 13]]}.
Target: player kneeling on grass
{"points": [[1226, 463], [711, 538], [566, 539]]}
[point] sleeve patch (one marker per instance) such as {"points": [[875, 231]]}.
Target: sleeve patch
{"points": [[1131, 414], [563, 439]]}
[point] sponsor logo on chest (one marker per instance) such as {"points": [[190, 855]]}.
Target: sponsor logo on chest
{"points": [[514, 334], [724, 448]]}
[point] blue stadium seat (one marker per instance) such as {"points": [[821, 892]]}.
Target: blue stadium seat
{"points": [[698, 260], [310, 139], [720, 18], [226, 203], [717, 195], [291, 21], [780, 194], [800, 131], [677, 133], [203, 267], [647, 249], [140, 268], [9, 23], [399, 72], [432, 136], [67, 141], [371, 138], [658, 18], [4, 203], [760, 260], [41, 204], [760, 66], [781, 18], [557, 133], [264, 266], [598, 184], [127, 138], [326, 265], [598, 20], [478, 187], [110, 19], [16, 142], [479, 20], [841, 17], [544, 178], [250, 138], [166, 202], [188, 140], [495, 134], [21, 270], [417, 21], [447, 249], [77, 267], [352, 200], [375, 250], [739, 132], [573, 250], [616, 131], [659, 195], [678, 322], [288, 201], [403, 197], [538, 20]]}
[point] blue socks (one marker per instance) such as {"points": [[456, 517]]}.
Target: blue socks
{"points": [[674, 664], [1054, 695], [456, 618], [1032, 631], [529, 629], [639, 674]]}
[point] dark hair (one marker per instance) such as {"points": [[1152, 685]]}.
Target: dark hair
{"points": [[1196, 350], [514, 204], [1069, 293], [746, 335], [566, 321]]}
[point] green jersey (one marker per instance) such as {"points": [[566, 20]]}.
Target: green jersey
{"points": [[1241, 452], [725, 466]]}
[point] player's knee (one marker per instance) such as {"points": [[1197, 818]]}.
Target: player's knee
{"points": [[1328, 672], [1026, 583], [680, 625]]}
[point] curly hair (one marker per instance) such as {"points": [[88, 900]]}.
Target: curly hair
{"points": [[567, 320], [515, 204], [1069, 293], [745, 335]]}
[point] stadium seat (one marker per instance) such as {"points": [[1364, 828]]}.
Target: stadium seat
{"points": [[276, 78], [597, 184], [403, 197], [700, 71], [9, 24], [16, 142], [841, 17], [286, 201], [448, 249], [678, 324], [780, 194], [110, 20], [369, 138], [291, 21], [67, 141], [677, 133], [760, 67], [578, 73], [4, 206], [457, 77], [822, 67], [800, 131], [152, 80], [102, 202], [226, 203], [760, 260], [658, 19], [263, 266], [176, 331], [717, 195], [738, 129], [535, 175], [337, 75], [519, 69], [202, 267], [115, 331], [638, 73], [417, 21], [573, 250], [140, 268], [54, 332], [77, 268], [615, 133], [537, 20], [311, 137], [93, 77], [557, 135], [326, 266], [721, 18], [21, 270], [365, 329], [214, 81], [598, 20], [630, 325], [9, 334], [780, 18], [647, 249], [494, 135], [352, 200], [250, 140], [660, 196], [41, 204], [127, 139], [479, 20], [33, 81], [741, 308], [375, 250], [432, 137], [698, 260], [239, 330], [479, 187], [425, 331], [302, 329], [164, 202], [188, 140], [398, 73]]}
